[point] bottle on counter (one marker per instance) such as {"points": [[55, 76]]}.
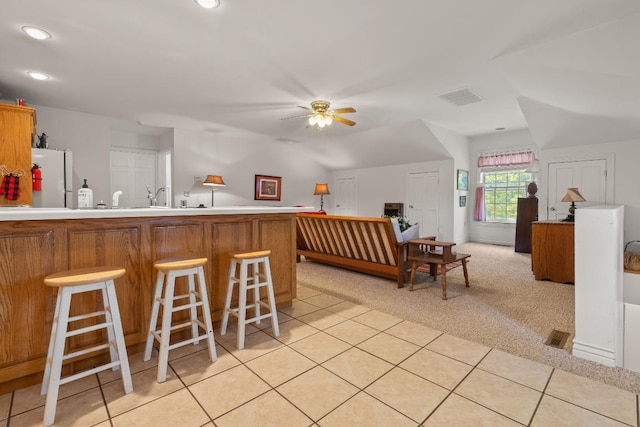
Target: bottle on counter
{"points": [[85, 196]]}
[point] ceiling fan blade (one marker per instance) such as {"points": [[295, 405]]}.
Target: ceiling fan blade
{"points": [[306, 108], [297, 117], [344, 110], [343, 121]]}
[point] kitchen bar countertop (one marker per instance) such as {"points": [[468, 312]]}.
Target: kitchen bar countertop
{"points": [[27, 213], [37, 242]]}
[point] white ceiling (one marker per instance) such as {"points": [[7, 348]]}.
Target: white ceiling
{"points": [[568, 70]]}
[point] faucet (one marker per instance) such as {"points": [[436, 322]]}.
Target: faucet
{"points": [[153, 198], [116, 198]]}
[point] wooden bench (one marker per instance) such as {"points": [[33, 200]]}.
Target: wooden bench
{"points": [[424, 251], [367, 245]]}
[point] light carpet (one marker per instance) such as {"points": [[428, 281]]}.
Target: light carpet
{"points": [[505, 307]]}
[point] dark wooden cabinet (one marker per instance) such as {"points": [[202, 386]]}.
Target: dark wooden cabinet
{"points": [[527, 213]]}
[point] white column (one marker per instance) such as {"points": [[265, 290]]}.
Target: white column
{"points": [[599, 245]]}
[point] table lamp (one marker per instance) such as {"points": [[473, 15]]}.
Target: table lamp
{"points": [[573, 196], [213, 181], [321, 189]]}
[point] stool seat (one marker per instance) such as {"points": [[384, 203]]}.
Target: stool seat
{"points": [[69, 283], [179, 263], [196, 297], [83, 276], [249, 255], [250, 270]]}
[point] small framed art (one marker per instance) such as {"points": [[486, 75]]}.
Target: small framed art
{"points": [[463, 180], [268, 187], [463, 201]]}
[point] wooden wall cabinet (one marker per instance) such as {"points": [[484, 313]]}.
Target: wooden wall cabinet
{"points": [[16, 133], [552, 251], [527, 213]]}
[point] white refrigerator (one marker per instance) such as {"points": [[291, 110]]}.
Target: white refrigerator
{"points": [[55, 168]]}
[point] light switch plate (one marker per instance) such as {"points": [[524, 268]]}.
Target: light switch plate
{"points": [[185, 194]]}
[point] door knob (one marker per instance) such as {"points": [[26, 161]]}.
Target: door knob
{"points": [[411, 206], [552, 208]]}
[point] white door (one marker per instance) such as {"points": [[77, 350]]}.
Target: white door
{"points": [[346, 197], [422, 202], [588, 176], [131, 172]]}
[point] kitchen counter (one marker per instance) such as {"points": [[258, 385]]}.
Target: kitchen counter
{"points": [[11, 213], [37, 242]]}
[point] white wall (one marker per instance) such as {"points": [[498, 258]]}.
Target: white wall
{"points": [[488, 232], [624, 179], [459, 148], [238, 158], [88, 136], [376, 186], [626, 157]]}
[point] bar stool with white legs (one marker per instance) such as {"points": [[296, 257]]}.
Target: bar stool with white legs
{"points": [[70, 283], [260, 278], [170, 269]]}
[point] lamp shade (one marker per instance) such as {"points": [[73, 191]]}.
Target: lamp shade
{"points": [[573, 195], [214, 181], [321, 189]]}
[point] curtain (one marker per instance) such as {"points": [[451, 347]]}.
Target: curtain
{"points": [[479, 213], [509, 159]]}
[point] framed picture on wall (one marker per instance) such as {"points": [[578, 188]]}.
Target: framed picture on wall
{"points": [[268, 187], [463, 180]]}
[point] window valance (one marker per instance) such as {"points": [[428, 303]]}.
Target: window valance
{"points": [[505, 159]]}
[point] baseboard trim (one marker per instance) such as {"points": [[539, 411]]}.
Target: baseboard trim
{"points": [[595, 354]]}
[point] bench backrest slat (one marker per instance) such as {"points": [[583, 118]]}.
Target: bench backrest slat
{"points": [[361, 238]]}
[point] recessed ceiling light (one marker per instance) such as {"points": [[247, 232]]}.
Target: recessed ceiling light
{"points": [[36, 33], [38, 76], [208, 4]]}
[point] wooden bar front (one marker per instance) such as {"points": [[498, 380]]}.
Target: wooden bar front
{"points": [[34, 249]]}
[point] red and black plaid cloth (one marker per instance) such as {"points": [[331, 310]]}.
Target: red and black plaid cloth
{"points": [[11, 187]]}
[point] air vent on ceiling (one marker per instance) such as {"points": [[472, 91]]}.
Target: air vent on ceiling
{"points": [[288, 140], [460, 97]]}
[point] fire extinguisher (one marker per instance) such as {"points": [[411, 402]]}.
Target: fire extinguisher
{"points": [[37, 177]]}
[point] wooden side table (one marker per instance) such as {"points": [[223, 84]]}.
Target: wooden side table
{"points": [[423, 251]]}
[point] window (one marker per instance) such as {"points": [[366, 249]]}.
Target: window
{"points": [[501, 191]]}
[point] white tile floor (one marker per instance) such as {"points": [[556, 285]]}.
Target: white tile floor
{"points": [[335, 364]]}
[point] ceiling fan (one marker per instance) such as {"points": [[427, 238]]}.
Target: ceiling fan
{"points": [[321, 115]]}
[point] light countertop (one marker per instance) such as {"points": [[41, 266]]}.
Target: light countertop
{"points": [[26, 213]]}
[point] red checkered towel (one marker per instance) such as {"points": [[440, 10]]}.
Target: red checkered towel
{"points": [[11, 186]]}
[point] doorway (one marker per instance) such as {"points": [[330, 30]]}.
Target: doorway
{"points": [[589, 176], [346, 196], [131, 172], [422, 201]]}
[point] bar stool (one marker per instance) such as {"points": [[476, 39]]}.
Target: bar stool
{"points": [[169, 269], [239, 274], [70, 283]]}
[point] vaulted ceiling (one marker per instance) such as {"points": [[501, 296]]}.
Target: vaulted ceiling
{"points": [[568, 70]]}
